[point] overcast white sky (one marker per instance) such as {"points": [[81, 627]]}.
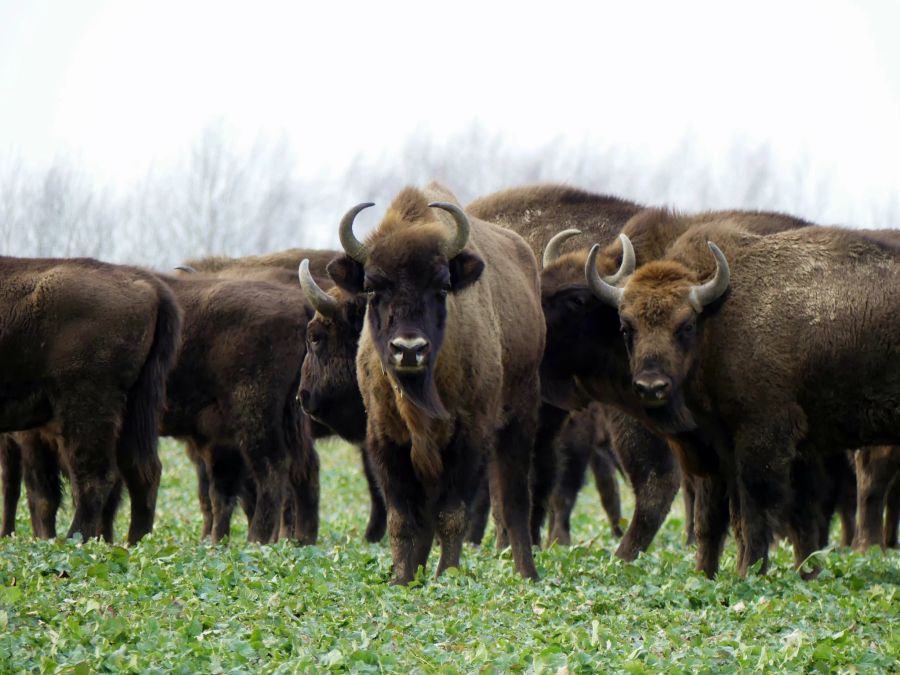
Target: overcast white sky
{"points": [[120, 84]]}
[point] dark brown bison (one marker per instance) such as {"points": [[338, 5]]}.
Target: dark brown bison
{"points": [[448, 368], [345, 415], [586, 358], [86, 348], [788, 352], [878, 494], [232, 396], [329, 391], [537, 213]]}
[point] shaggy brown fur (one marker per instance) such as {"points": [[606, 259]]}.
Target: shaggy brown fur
{"points": [[586, 357], [232, 395], [430, 435], [878, 495], [537, 213], [831, 291], [345, 415], [86, 349], [277, 267]]}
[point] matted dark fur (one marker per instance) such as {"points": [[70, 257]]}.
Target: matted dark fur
{"points": [[86, 348], [232, 395], [345, 414], [475, 401], [538, 213], [801, 357]]}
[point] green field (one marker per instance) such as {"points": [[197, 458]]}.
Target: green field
{"points": [[170, 604]]}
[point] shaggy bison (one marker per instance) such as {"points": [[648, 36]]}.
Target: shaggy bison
{"points": [[537, 213], [232, 396], [736, 357], [345, 418], [447, 366], [86, 348]]}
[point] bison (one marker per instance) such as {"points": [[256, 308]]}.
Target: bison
{"points": [[232, 396], [448, 368], [87, 347], [347, 419], [771, 350], [537, 213]]}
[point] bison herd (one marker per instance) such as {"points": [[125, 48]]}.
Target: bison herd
{"points": [[751, 359]]}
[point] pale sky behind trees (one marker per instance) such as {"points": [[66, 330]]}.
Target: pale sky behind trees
{"points": [[123, 86]]}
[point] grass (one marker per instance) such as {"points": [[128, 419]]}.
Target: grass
{"points": [[170, 604]]}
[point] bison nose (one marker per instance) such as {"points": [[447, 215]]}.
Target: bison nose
{"points": [[653, 389], [409, 352], [307, 401]]}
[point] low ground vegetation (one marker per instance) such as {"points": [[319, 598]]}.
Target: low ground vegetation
{"points": [[169, 604]]}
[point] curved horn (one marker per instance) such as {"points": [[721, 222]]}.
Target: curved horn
{"points": [[353, 247], [608, 293], [712, 290], [628, 262], [186, 268], [323, 303], [551, 251], [458, 243]]}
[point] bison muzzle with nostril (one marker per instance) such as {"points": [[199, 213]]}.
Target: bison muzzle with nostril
{"points": [[409, 354]]}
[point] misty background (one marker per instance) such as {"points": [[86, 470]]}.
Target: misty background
{"points": [[153, 132]]}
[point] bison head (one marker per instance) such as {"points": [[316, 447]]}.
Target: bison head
{"points": [[582, 332], [659, 311], [406, 273], [329, 392]]}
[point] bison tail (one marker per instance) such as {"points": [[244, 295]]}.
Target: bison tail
{"points": [[139, 435]]}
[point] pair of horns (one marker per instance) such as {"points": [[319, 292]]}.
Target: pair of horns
{"points": [[699, 295], [354, 248]]}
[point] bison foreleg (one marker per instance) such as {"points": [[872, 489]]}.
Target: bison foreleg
{"points": [[509, 482], [604, 470], [11, 482], [377, 525], [654, 477], [544, 463]]}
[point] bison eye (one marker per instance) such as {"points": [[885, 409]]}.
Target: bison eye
{"points": [[442, 293], [687, 328]]}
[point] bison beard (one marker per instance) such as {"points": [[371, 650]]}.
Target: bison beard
{"points": [[421, 391]]}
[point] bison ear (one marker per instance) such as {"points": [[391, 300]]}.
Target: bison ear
{"points": [[465, 269], [346, 273]]}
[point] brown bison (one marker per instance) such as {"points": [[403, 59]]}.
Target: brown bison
{"points": [[537, 213], [87, 347], [586, 359], [448, 367], [232, 396], [346, 417], [878, 476], [739, 364]]}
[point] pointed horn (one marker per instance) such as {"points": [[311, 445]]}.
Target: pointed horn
{"points": [[186, 268], [353, 247], [323, 303], [606, 292], [551, 251], [458, 243], [628, 262], [712, 290]]}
